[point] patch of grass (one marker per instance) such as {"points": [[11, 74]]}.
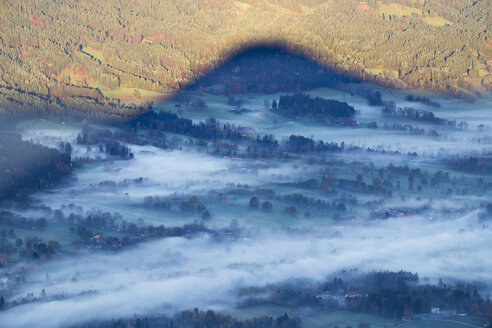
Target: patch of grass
{"points": [[435, 324], [343, 319], [376, 71], [125, 94], [259, 310], [281, 10], [242, 6], [398, 10], [437, 21], [452, 322], [306, 10], [94, 53]]}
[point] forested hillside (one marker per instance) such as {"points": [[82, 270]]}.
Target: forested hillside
{"points": [[92, 56], [27, 167]]}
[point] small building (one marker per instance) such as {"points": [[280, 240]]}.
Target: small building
{"points": [[435, 310], [98, 236], [3, 261], [5, 283]]}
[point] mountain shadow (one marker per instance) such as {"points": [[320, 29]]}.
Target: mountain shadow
{"points": [[268, 69]]}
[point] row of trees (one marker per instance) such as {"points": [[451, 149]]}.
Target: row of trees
{"points": [[411, 113], [473, 164], [31, 247], [196, 318], [386, 293], [104, 139], [96, 229]]}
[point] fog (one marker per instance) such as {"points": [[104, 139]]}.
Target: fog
{"points": [[164, 173], [175, 274], [263, 121], [446, 240], [51, 133]]}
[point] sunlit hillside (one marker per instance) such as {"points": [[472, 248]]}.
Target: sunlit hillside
{"points": [[97, 56]]}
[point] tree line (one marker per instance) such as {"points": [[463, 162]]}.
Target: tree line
{"points": [[302, 105], [196, 318]]}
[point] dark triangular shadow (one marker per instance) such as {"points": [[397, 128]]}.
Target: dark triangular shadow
{"points": [[268, 69]]}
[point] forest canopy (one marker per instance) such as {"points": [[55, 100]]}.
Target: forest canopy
{"points": [[96, 58], [319, 108], [26, 167]]}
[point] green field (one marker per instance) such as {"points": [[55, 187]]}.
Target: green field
{"points": [[325, 320], [94, 53], [395, 9], [124, 91], [399, 10], [125, 94], [343, 319], [437, 21], [376, 71], [453, 322]]}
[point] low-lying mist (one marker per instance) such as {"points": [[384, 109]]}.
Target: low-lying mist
{"points": [[175, 273], [395, 202]]}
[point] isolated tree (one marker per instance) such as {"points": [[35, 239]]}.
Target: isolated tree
{"points": [[253, 202], [206, 215], [135, 94], [266, 206], [341, 207], [291, 210]]}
